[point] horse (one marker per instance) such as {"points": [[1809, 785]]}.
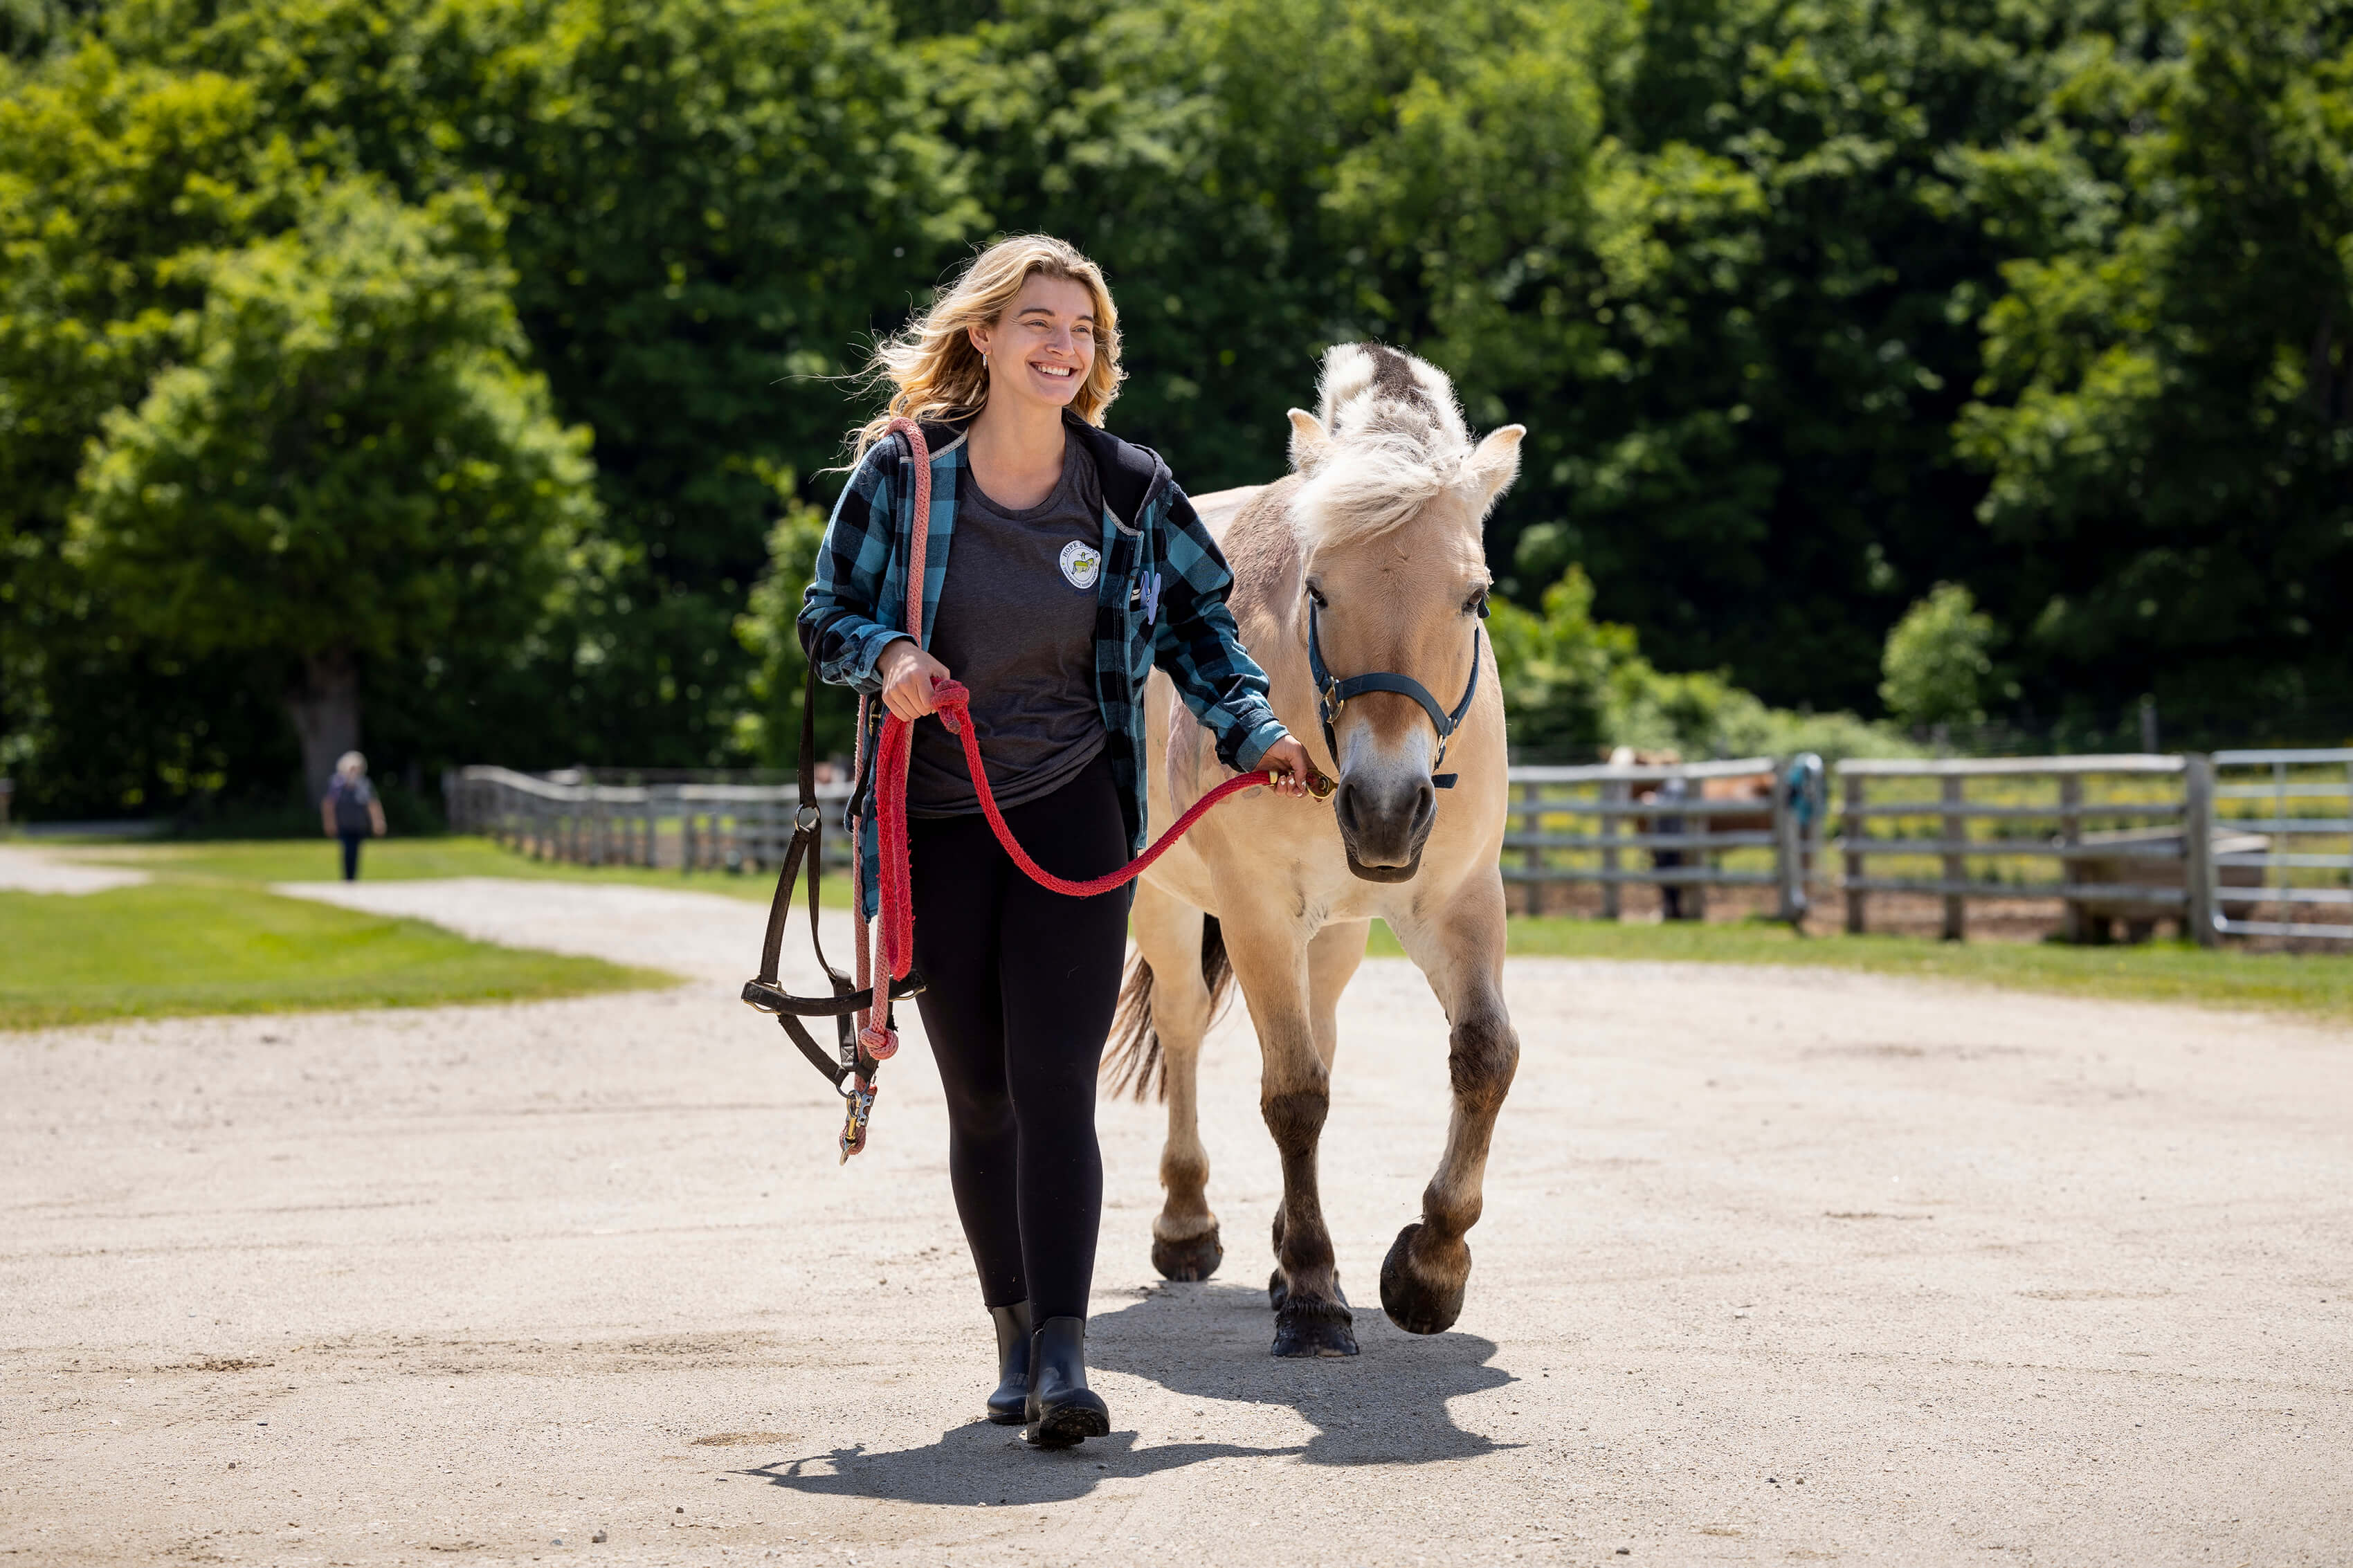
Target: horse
{"points": [[1680, 902], [1364, 560]]}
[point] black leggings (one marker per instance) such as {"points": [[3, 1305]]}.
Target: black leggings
{"points": [[1020, 985]]}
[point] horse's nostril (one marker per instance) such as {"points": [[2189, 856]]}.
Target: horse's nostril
{"points": [[1343, 806], [1425, 806]]}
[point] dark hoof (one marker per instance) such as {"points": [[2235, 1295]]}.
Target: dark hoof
{"points": [[1194, 1258], [1314, 1328], [1412, 1303]]}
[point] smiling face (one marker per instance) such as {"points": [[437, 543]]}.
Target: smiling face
{"points": [[1043, 346]]}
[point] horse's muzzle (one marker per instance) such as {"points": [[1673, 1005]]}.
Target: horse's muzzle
{"points": [[1383, 825]]}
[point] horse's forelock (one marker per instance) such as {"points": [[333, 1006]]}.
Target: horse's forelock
{"points": [[1396, 441]]}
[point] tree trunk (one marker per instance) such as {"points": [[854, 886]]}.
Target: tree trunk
{"points": [[325, 708]]}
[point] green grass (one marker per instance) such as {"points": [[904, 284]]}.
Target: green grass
{"points": [[399, 859], [2319, 985], [188, 946]]}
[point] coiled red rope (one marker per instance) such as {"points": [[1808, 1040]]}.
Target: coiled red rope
{"points": [[898, 912]]}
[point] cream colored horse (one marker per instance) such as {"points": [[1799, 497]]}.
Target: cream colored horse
{"points": [[1379, 525]]}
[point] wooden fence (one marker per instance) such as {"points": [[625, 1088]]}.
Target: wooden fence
{"points": [[1615, 824], [2127, 839], [685, 827], [2001, 842]]}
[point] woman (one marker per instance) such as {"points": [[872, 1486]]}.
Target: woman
{"points": [[1061, 564], [350, 811]]}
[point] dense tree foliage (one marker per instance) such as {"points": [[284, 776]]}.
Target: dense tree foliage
{"points": [[2167, 412], [344, 468], [1807, 309]]}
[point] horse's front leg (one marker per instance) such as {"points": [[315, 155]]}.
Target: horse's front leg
{"points": [[1269, 957], [1460, 947]]}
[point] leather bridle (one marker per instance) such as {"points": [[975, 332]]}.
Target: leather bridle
{"points": [[1329, 695]]}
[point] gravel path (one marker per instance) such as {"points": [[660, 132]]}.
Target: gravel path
{"points": [[1775, 1266], [39, 871]]}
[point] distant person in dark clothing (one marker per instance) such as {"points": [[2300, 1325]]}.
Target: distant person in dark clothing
{"points": [[350, 811]]}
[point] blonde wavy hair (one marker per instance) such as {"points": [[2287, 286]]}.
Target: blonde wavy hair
{"points": [[934, 372]]}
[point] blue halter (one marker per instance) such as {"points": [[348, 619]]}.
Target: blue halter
{"points": [[1330, 694]]}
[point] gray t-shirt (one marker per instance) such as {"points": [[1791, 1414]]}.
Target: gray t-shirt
{"points": [[1016, 624]]}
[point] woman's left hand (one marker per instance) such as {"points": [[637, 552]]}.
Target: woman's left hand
{"points": [[1290, 759]]}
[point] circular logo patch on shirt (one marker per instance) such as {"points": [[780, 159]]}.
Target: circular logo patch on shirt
{"points": [[1081, 563]]}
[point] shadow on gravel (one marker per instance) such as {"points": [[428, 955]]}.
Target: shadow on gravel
{"points": [[1206, 1343]]}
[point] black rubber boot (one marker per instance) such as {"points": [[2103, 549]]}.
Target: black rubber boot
{"points": [[1062, 1409], [1006, 1406]]}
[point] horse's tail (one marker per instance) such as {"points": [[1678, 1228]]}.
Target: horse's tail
{"points": [[1134, 1063]]}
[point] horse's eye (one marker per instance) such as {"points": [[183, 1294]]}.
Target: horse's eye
{"points": [[1316, 593], [1477, 604]]}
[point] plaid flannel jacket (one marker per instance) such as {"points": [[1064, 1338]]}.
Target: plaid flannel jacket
{"points": [[1161, 600]]}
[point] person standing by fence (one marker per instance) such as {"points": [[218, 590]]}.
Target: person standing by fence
{"points": [[350, 811]]}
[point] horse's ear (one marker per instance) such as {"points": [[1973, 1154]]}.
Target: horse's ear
{"points": [[1308, 440], [1494, 465]]}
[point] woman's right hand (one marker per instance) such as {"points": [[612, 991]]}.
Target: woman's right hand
{"points": [[907, 673]]}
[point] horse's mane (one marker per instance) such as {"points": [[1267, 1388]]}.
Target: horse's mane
{"points": [[1395, 442]]}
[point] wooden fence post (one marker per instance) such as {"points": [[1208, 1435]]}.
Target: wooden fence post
{"points": [[2072, 921], [1955, 828], [1786, 855], [1694, 899], [1850, 829], [1531, 823], [2198, 850], [1614, 792]]}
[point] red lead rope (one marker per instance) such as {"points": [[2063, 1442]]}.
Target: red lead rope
{"points": [[897, 913], [875, 1033]]}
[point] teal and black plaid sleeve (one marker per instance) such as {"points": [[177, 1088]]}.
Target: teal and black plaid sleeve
{"points": [[1196, 641], [842, 630]]}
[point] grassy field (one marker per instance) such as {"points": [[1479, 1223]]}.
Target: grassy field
{"points": [[262, 861], [206, 937], [2319, 985]]}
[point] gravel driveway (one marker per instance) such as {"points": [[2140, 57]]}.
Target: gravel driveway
{"points": [[1777, 1267]]}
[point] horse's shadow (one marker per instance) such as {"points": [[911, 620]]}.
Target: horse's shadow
{"points": [[1205, 1342]]}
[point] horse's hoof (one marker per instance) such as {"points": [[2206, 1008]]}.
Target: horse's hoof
{"points": [[1314, 1328], [1194, 1258], [1413, 1301]]}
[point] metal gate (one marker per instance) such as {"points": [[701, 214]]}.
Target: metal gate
{"points": [[2281, 844]]}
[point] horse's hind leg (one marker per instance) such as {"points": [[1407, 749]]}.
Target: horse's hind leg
{"points": [[1185, 1244], [1460, 948]]}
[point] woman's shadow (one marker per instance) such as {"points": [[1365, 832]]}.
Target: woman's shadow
{"points": [[1206, 1342]]}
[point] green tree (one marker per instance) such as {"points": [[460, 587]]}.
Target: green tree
{"points": [[347, 465], [112, 177], [769, 727], [712, 205], [2167, 409], [1938, 663], [1576, 689]]}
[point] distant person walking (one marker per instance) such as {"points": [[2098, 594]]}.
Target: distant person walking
{"points": [[350, 811]]}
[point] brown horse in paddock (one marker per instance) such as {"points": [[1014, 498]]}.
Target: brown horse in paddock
{"points": [[1727, 789], [1370, 550]]}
